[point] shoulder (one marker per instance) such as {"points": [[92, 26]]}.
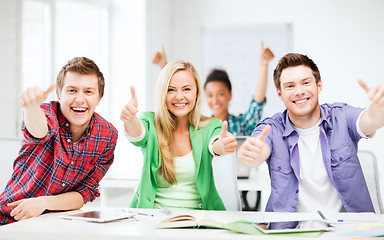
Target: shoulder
{"points": [[104, 125], [338, 108], [147, 116]]}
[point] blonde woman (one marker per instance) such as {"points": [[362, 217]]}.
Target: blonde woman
{"points": [[178, 144]]}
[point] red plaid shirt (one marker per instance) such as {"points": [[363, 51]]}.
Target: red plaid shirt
{"points": [[54, 165]]}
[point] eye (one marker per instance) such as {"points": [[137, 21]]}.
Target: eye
{"points": [[171, 90], [306, 82], [89, 92], [70, 90], [187, 89]]}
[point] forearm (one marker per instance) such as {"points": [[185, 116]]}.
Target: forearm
{"points": [[369, 122], [64, 201], [261, 84], [35, 121]]}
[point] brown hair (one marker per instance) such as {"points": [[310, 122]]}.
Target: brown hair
{"points": [[293, 60], [80, 65]]}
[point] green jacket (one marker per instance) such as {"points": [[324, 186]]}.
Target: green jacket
{"points": [[146, 192]]}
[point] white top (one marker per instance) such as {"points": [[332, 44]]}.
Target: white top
{"points": [[316, 191]]}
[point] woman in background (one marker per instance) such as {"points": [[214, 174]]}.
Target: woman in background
{"points": [[218, 93], [178, 144]]}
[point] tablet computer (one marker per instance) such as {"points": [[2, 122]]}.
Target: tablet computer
{"points": [[297, 226], [100, 216]]}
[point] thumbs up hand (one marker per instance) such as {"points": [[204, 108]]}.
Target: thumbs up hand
{"points": [[373, 118], [226, 143], [34, 96], [254, 150], [159, 58], [128, 114]]}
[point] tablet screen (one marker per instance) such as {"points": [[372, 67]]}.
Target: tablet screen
{"points": [[297, 226], [100, 215]]}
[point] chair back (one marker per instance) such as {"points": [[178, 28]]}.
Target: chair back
{"points": [[9, 149], [368, 164], [225, 176]]}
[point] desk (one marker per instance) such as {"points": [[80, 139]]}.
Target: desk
{"points": [[51, 226]]}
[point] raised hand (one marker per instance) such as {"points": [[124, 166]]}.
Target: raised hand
{"points": [[266, 55], [228, 140], [373, 118], [128, 114], [159, 58], [34, 96], [255, 151]]}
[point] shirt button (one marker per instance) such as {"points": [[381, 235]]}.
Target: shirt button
{"points": [[67, 124], [279, 168], [341, 158], [280, 119], [68, 140], [297, 191], [290, 146], [72, 162], [63, 184]]}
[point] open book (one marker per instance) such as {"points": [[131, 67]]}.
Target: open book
{"points": [[196, 219]]}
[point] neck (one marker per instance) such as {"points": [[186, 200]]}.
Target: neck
{"points": [[77, 133], [306, 121], [223, 116], [182, 125]]}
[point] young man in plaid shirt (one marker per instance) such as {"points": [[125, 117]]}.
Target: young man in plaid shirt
{"points": [[67, 147]]}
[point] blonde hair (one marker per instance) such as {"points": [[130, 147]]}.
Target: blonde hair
{"points": [[166, 122]]}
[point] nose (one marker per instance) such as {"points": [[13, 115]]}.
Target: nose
{"points": [[80, 97], [179, 95], [299, 90]]}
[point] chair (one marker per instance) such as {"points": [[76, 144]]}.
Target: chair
{"points": [[368, 163], [225, 176], [9, 149]]}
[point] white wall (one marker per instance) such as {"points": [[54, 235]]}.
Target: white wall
{"points": [[9, 66], [345, 38]]}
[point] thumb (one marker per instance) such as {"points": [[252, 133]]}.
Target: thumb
{"points": [[224, 128], [264, 133], [133, 96], [363, 85], [49, 90], [14, 204], [162, 48]]}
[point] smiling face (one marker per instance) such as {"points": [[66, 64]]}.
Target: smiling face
{"points": [[181, 95], [299, 92], [218, 96], [78, 99]]}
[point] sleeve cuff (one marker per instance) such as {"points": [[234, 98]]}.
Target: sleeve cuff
{"points": [[210, 146], [136, 139]]}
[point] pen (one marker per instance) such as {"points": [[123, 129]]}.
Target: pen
{"points": [[321, 215], [145, 214]]}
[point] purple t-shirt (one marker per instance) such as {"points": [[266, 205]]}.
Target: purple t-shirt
{"points": [[338, 138]]}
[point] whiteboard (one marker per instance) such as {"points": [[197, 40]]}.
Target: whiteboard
{"points": [[236, 49]]}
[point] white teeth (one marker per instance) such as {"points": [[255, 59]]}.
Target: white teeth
{"points": [[179, 105], [77, 109], [301, 101]]}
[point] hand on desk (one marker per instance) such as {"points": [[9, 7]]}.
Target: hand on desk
{"points": [[27, 208], [254, 150]]}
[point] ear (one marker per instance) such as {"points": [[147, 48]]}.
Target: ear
{"points": [[279, 94], [319, 86], [58, 97], [230, 96]]}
